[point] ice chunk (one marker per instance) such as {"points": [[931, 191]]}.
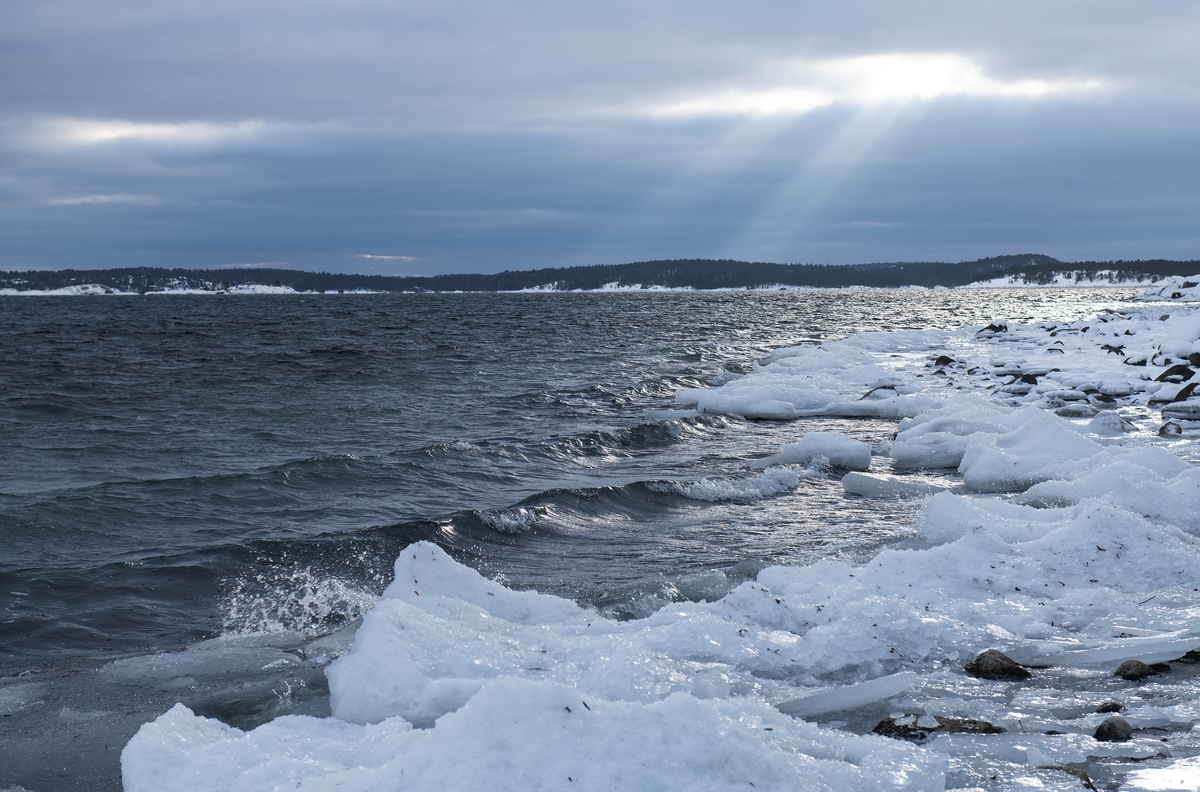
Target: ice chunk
{"points": [[524, 735], [1019, 459], [834, 446], [872, 486], [850, 696], [1148, 650]]}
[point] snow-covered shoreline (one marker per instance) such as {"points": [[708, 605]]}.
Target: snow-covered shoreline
{"points": [[1159, 290], [95, 289], [1071, 545]]}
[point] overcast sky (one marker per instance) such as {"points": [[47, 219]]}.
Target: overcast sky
{"points": [[417, 137]]}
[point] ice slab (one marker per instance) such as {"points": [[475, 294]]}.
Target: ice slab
{"points": [[849, 697]]}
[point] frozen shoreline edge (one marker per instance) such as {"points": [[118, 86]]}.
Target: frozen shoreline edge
{"points": [[1008, 529]]}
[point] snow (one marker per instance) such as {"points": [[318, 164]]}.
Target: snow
{"points": [[1061, 280], [521, 735], [1175, 290], [175, 289], [1072, 543]]}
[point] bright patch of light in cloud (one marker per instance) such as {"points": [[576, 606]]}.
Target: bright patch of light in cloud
{"points": [[76, 200], [73, 132], [799, 87], [387, 258]]}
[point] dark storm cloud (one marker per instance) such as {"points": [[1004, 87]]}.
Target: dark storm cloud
{"points": [[480, 136]]}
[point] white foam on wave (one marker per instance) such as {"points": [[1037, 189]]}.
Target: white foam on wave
{"points": [[773, 481], [302, 602], [1089, 554], [509, 521]]}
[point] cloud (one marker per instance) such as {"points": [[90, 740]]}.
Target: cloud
{"points": [[804, 86], [477, 135], [76, 200], [67, 132]]}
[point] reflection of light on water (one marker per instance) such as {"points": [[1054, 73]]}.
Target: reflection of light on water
{"points": [[1181, 776]]}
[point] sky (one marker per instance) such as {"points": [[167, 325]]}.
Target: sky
{"points": [[421, 137]]}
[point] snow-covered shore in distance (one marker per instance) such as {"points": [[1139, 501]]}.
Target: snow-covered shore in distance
{"points": [[1064, 280], [1177, 285], [1072, 544], [1175, 290], [88, 289]]}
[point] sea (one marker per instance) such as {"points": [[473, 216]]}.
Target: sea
{"points": [[178, 471]]}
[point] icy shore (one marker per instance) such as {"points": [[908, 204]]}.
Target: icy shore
{"points": [[1071, 545]]}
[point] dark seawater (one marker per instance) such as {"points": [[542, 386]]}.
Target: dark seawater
{"points": [[180, 468]]}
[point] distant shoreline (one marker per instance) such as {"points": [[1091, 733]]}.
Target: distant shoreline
{"points": [[1030, 270]]}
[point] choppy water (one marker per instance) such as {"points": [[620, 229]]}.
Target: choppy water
{"points": [[180, 468]]}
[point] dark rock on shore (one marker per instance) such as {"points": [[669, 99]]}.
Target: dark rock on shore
{"points": [[1114, 729], [1170, 429], [918, 727], [1084, 778], [1176, 373], [1134, 670], [994, 664], [1109, 706]]}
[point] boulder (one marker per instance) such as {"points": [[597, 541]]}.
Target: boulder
{"points": [[918, 727], [994, 664], [1170, 429], [1176, 373], [1114, 729], [1134, 670]]}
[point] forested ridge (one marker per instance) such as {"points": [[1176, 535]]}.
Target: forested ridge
{"points": [[682, 273]]}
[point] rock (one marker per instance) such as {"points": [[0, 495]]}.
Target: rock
{"points": [[1183, 410], [1075, 771], [1185, 392], [1193, 656], [1029, 379], [1109, 423], [1194, 358], [993, 664], [1076, 410], [993, 328], [1170, 429], [1172, 396], [1134, 670], [882, 392], [944, 360], [1177, 373], [1114, 729], [918, 727], [1109, 706]]}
